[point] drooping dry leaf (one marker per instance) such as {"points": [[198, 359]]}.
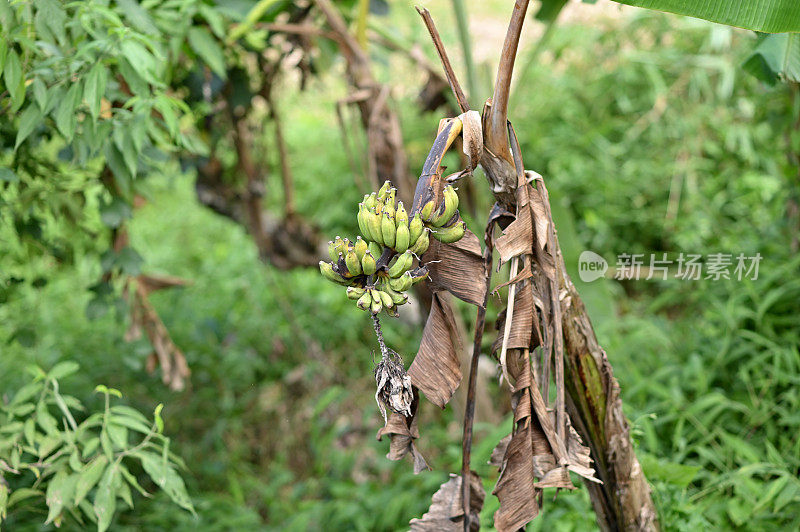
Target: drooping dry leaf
{"points": [[517, 239], [515, 489], [402, 432], [523, 334], [457, 268], [436, 369], [446, 512]]}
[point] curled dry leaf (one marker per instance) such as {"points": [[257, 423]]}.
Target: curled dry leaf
{"points": [[446, 512], [402, 432], [457, 268], [522, 334], [472, 134], [436, 369]]}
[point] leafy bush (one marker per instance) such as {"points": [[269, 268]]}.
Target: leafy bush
{"points": [[79, 469]]}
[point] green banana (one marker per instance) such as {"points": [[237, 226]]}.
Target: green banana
{"points": [[376, 250], [374, 226], [391, 197], [376, 304], [400, 215], [368, 263], [391, 312], [352, 262], [451, 234], [422, 243], [414, 229], [419, 274], [364, 301], [402, 283], [370, 201], [326, 268], [362, 222], [427, 210], [384, 190], [335, 247], [388, 229], [401, 238], [386, 299], [450, 207], [360, 247], [401, 264], [398, 298], [354, 292]]}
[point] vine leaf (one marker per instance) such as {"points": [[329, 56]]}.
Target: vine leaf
{"points": [[446, 513]]}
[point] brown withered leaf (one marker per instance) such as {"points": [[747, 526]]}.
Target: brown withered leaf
{"points": [[523, 334], [174, 369], [515, 487], [537, 205], [436, 369], [402, 432], [446, 512], [517, 239], [457, 268]]}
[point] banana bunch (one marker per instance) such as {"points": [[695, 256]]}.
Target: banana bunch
{"points": [[444, 222], [387, 224], [379, 268], [375, 284]]}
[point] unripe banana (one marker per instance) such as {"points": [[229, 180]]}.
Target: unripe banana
{"points": [[388, 206], [386, 299], [374, 226], [391, 197], [376, 250], [400, 215], [422, 243], [326, 268], [401, 238], [451, 234], [414, 229], [364, 301], [370, 201], [391, 312], [384, 190], [352, 262], [388, 229], [354, 292], [368, 263], [376, 304], [402, 283], [427, 210], [335, 247], [398, 298], [418, 275], [362, 222], [450, 207], [360, 247], [402, 264]]}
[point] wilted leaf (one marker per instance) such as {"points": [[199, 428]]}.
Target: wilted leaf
{"points": [[457, 268], [446, 512], [436, 370], [523, 334], [402, 432]]}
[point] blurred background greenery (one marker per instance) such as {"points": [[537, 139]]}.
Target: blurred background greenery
{"points": [[651, 139]]}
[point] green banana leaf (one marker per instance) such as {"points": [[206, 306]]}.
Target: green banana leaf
{"points": [[777, 57], [768, 16]]}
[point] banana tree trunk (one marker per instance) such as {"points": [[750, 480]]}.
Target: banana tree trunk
{"points": [[623, 501]]}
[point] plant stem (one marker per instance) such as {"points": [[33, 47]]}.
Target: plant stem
{"points": [[469, 410], [376, 324]]}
